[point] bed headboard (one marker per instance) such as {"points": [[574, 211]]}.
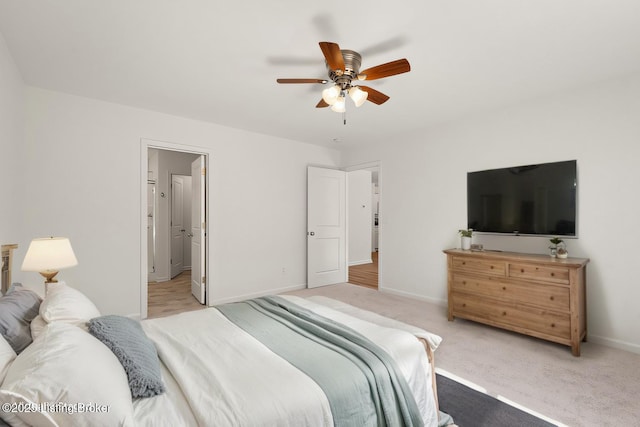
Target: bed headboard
{"points": [[7, 254]]}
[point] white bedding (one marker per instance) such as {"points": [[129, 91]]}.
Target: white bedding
{"points": [[217, 374]]}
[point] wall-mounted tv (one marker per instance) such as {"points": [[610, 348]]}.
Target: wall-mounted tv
{"points": [[524, 200]]}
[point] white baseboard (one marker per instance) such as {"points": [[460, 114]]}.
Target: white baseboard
{"points": [[361, 262], [610, 342], [258, 294], [442, 303]]}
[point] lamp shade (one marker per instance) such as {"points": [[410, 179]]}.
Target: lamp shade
{"points": [[358, 95], [339, 106], [331, 94], [49, 254]]}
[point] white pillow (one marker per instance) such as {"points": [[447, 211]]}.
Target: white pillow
{"points": [[68, 365], [37, 326], [6, 357], [65, 304]]}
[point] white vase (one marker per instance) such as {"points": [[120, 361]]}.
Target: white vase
{"points": [[465, 242]]}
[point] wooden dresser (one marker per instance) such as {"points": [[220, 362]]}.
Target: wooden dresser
{"points": [[531, 294]]}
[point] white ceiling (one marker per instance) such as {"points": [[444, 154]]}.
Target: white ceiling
{"points": [[218, 60]]}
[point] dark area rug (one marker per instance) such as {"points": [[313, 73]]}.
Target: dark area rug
{"points": [[471, 408]]}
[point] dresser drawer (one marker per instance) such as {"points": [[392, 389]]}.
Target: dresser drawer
{"points": [[484, 266], [512, 316], [539, 273], [547, 296]]}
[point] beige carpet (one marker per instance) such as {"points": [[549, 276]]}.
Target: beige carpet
{"points": [[599, 388]]}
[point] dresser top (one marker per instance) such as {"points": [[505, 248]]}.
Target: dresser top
{"points": [[519, 256]]}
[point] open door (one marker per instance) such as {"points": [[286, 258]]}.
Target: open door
{"points": [[326, 227], [198, 230]]}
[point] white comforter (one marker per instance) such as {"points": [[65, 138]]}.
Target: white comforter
{"points": [[218, 375]]}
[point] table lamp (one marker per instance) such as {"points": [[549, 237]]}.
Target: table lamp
{"points": [[48, 255]]}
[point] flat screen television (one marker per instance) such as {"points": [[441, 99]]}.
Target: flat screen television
{"points": [[524, 200]]}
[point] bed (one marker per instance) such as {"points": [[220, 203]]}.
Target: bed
{"points": [[271, 361]]}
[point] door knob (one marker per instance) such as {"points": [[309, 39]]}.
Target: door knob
{"points": [[311, 233]]}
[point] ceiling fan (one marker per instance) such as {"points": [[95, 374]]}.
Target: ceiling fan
{"points": [[344, 71]]}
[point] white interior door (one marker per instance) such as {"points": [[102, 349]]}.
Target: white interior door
{"points": [[151, 228], [198, 229], [326, 227], [177, 225]]}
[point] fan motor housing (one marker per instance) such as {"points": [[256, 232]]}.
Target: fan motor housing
{"points": [[352, 62]]}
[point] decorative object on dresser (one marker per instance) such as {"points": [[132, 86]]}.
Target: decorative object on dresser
{"points": [[48, 255], [465, 238], [553, 249], [526, 293], [561, 251]]}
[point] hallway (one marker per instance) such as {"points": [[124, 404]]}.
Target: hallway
{"points": [[171, 297], [365, 274]]}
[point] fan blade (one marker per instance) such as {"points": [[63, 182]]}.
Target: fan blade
{"points": [[385, 70], [375, 96], [322, 104], [302, 81], [332, 54]]}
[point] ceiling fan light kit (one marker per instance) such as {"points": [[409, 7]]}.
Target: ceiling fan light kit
{"points": [[358, 95], [339, 106], [343, 68], [330, 95]]}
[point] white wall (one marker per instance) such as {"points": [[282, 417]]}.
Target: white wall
{"points": [[81, 178], [423, 195], [11, 140], [359, 221]]}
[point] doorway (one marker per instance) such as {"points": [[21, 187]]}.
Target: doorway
{"points": [[364, 207], [342, 225], [167, 228]]}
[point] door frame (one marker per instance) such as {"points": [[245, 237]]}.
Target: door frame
{"points": [[145, 145], [362, 166]]}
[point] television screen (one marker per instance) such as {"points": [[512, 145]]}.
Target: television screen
{"points": [[533, 199]]}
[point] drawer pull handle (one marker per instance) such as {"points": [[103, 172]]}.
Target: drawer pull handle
{"points": [[551, 298], [491, 267], [553, 274], [504, 313], [464, 305], [522, 270], [553, 325], [504, 288], [464, 263]]}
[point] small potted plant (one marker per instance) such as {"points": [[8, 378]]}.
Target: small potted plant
{"points": [[553, 249], [465, 238]]}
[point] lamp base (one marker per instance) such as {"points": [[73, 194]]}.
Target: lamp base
{"points": [[49, 275]]}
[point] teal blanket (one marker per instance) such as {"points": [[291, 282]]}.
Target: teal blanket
{"points": [[362, 382]]}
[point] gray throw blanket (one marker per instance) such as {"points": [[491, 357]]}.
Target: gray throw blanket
{"points": [[361, 381]]}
